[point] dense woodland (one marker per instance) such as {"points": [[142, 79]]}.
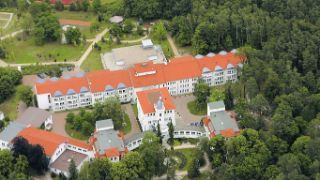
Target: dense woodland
{"points": [[277, 98], [278, 95]]}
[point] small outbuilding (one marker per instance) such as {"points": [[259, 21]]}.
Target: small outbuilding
{"points": [[116, 19], [36, 117]]}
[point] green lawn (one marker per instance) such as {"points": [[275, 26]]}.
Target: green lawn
{"points": [[166, 48], [135, 109], [127, 128], [75, 134], [27, 52], [193, 109], [83, 16], [93, 62], [9, 107], [189, 154]]}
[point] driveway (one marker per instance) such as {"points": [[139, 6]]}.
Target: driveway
{"points": [[135, 129], [59, 123], [182, 109]]}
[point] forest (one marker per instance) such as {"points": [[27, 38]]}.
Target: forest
{"points": [[277, 99]]}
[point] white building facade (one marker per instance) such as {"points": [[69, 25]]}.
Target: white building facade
{"points": [[179, 76]]}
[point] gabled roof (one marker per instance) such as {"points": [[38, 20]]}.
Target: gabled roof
{"points": [[149, 98], [147, 80], [11, 131], [34, 116], [182, 68], [61, 86], [99, 80], [179, 68], [49, 140]]}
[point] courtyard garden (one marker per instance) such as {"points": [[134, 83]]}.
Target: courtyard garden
{"points": [[82, 124]]}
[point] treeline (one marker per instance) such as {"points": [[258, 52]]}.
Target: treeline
{"points": [[153, 9], [9, 78]]}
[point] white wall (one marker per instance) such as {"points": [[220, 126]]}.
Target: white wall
{"points": [[43, 101], [3, 145]]}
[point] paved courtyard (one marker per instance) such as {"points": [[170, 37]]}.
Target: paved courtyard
{"points": [[185, 117], [59, 123], [135, 129]]}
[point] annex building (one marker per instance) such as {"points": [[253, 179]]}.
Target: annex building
{"points": [[179, 77]]}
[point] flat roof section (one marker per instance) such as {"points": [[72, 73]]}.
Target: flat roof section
{"points": [[222, 121], [63, 161], [126, 57]]}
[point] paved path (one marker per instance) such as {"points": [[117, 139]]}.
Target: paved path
{"points": [[173, 46], [90, 48], [8, 21], [181, 174], [11, 35], [135, 129], [59, 123]]}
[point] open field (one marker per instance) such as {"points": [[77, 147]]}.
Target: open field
{"points": [[27, 52]]}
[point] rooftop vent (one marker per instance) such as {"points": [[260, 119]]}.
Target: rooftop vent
{"points": [[223, 53]]}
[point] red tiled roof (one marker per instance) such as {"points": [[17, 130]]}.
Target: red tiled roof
{"points": [[62, 85], [228, 132], [178, 69], [148, 98], [49, 140], [144, 67], [219, 60], [112, 152], [181, 68], [100, 79], [147, 80]]}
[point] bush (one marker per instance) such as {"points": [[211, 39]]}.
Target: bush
{"points": [[54, 70], [183, 159]]}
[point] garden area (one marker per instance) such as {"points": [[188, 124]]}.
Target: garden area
{"points": [[25, 51], [83, 18], [184, 157], [82, 124]]}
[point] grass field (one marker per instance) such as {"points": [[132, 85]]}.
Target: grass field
{"points": [[193, 109], [189, 154], [9, 107], [127, 128], [27, 52], [84, 16]]}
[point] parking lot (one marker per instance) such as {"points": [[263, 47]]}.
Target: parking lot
{"points": [[184, 116]]}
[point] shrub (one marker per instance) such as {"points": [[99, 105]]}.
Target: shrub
{"points": [[183, 159]]}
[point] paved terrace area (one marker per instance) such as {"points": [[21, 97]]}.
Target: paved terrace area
{"points": [[184, 117], [63, 162], [126, 57]]}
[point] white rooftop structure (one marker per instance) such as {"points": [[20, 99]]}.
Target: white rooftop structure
{"points": [[147, 43], [116, 19], [126, 57]]}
